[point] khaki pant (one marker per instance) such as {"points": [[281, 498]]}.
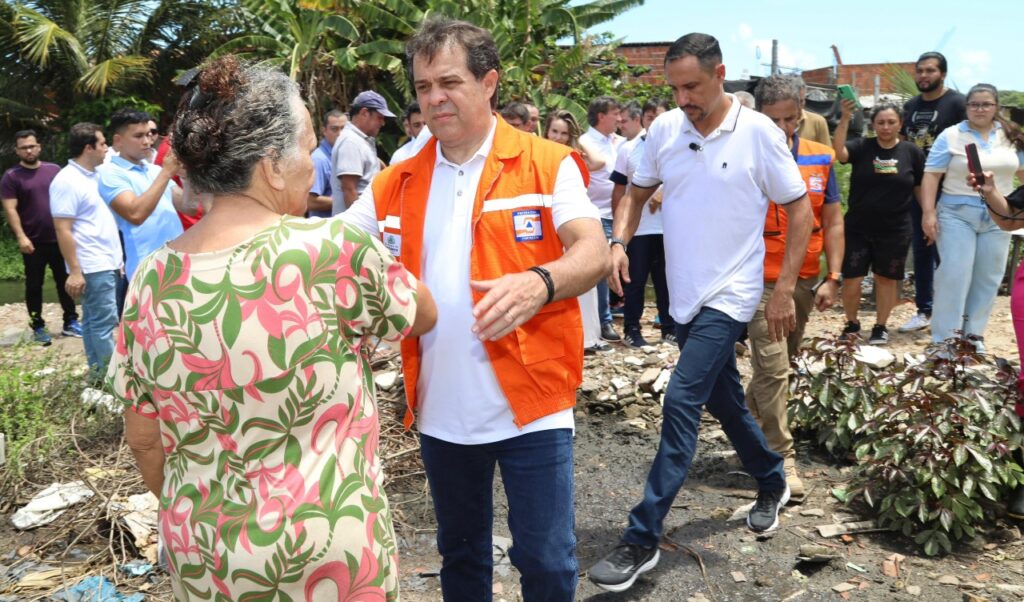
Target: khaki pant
{"points": [[768, 390]]}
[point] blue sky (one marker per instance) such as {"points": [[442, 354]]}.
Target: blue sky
{"points": [[978, 37]]}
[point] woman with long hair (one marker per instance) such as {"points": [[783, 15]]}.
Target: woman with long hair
{"points": [[972, 247]]}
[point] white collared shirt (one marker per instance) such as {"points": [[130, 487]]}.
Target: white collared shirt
{"points": [[715, 198], [75, 194], [600, 189], [460, 400]]}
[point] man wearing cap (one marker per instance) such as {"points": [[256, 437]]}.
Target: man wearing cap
{"points": [[354, 159]]}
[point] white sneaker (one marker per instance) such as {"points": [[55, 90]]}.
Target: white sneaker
{"points": [[917, 322]]}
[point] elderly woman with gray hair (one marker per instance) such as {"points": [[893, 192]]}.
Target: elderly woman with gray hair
{"points": [[243, 363]]}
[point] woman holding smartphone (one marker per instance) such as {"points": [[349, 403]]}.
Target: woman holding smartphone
{"points": [[972, 247], [884, 181], [1008, 218]]}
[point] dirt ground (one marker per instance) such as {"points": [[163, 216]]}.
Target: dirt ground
{"points": [[612, 456]]}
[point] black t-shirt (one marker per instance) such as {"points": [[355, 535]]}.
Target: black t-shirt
{"points": [[924, 120], [882, 182]]}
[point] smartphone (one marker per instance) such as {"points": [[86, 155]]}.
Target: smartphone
{"points": [[974, 163], [846, 92]]}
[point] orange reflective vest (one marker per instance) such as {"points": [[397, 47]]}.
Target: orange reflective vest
{"points": [[815, 161], [539, 365]]}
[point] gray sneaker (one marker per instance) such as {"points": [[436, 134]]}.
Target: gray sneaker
{"points": [[764, 516], [617, 571]]}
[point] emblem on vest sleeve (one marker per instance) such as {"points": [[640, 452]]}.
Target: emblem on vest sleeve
{"points": [[527, 225], [393, 242], [816, 183]]}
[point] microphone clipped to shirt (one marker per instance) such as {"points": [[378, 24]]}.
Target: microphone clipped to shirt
{"points": [[696, 147]]}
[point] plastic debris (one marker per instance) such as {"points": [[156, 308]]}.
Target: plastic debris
{"points": [[136, 568], [139, 514], [95, 589], [50, 503]]}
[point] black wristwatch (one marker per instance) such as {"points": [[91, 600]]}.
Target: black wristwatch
{"points": [[617, 241]]}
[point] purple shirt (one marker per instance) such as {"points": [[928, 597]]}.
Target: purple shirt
{"points": [[31, 187]]}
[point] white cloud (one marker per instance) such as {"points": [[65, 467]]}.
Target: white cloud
{"points": [[972, 66], [788, 55], [746, 32]]}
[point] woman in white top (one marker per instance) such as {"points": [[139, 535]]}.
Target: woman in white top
{"points": [[972, 247]]}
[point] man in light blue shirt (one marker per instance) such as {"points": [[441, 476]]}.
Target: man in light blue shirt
{"points": [[142, 196], [320, 203]]}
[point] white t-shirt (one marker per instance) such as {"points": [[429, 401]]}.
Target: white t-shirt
{"points": [[630, 154], [411, 147], [74, 194], [460, 400], [600, 189], [715, 199]]}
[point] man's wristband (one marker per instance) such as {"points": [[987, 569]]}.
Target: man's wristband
{"points": [[617, 241], [548, 282], [836, 276]]}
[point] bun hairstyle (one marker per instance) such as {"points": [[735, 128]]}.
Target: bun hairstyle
{"points": [[234, 115]]}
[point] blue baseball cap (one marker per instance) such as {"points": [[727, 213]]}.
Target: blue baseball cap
{"points": [[372, 100]]}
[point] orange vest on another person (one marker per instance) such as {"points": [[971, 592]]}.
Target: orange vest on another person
{"points": [[815, 161], [539, 365]]}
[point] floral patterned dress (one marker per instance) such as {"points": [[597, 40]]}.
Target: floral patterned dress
{"points": [[254, 361]]}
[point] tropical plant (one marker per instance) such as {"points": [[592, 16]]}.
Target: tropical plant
{"points": [[932, 440]]}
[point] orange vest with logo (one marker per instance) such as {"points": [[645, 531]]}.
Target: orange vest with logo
{"points": [[540, 364], [815, 161]]}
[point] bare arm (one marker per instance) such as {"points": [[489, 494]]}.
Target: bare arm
{"points": [[14, 220], [1005, 216], [842, 129], [319, 203], [626, 221], [426, 311], [515, 298], [835, 245], [349, 192], [137, 208], [617, 191], [143, 437], [927, 194], [780, 311], [75, 284], [591, 156]]}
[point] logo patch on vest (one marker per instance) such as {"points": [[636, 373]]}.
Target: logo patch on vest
{"points": [[816, 183], [527, 225], [393, 242]]}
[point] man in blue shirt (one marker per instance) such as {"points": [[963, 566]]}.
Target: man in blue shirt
{"points": [[320, 203], [142, 196]]}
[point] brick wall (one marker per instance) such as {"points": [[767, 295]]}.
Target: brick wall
{"points": [[861, 77], [650, 55]]}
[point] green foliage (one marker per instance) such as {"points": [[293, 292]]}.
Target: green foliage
{"points": [[11, 265], [37, 402], [99, 111], [933, 440]]}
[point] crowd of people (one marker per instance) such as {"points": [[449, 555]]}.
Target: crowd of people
{"points": [[236, 275]]}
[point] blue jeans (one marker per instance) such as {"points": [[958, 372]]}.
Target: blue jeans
{"points": [[603, 310], [99, 318], [704, 374], [646, 258], [926, 259], [537, 472], [973, 251]]}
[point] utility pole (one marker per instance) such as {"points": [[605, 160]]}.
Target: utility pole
{"points": [[775, 57]]}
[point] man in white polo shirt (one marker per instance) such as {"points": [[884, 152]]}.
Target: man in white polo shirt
{"points": [[87, 235], [603, 117], [720, 164]]}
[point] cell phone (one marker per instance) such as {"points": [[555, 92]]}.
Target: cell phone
{"points": [[846, 92], [974, 163]]}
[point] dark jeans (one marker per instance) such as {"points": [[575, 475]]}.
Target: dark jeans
{"points": [[46, 254], [926, 259], [537, 472], [646, 258], [704, 374], [603, 308]]}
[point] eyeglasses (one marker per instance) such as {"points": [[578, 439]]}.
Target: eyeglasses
{"points": [[981, 106]]}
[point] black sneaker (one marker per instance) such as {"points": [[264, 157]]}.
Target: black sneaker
{"points": [[617, 571], [600, 347], [608, 333], [764, 516], [851, 332], [670, 338], [879, 335], [634, 338]]}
